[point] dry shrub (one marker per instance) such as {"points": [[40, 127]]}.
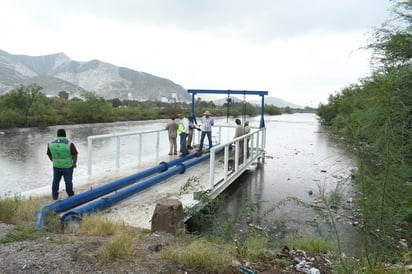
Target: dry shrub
{"points": [[98, 225], [18, 210], [121, 246], [200, 255]]}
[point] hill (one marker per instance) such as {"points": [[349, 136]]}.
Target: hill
{"points": [[57, 72]]}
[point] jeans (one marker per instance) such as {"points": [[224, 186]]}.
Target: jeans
{"points": [[67, 174], [202, 138], [183, 146]]}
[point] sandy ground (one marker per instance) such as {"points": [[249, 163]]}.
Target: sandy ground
{"points": [[137, 210]]}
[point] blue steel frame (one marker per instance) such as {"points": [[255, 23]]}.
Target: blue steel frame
{"points": [[229, 92]]}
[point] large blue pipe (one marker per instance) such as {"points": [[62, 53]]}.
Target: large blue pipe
{"points": [[109, 200], [92, 194]]}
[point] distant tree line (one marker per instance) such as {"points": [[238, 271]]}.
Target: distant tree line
{"points": [[375, 117], [27, 106]]}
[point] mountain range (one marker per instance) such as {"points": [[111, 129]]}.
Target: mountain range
{"points": [[57, 72]]}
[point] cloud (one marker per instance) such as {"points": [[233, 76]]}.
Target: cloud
{"points": [[243, 18], [298, 50]]}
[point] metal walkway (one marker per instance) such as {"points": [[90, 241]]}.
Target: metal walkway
{"points": [[198, 184], [193, 180]]}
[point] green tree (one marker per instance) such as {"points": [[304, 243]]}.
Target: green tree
{"points": [[392, 44], [64, 95], [272, 110], [9, 118], [116, 102], [376, 117], [92, 109], [287, 110], [23, 99]]}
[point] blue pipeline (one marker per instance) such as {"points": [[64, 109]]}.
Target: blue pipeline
{"points": [[92, 194], [113, 198]]}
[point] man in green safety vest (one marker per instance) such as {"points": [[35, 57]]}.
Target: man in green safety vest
{"points": [[183, 131], [63, 154]]}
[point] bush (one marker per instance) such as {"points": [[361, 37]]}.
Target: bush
{"points": [[201, 255], [17, 210]]}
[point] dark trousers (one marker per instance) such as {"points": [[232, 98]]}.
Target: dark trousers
{"points": [[202, 138], [67, 174], [183, 146]]}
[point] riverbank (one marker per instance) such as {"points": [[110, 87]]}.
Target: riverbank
{"points": [[68, 253]]}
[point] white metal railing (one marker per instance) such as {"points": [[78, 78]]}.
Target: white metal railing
{"points": [[118, 136], [140, 135], [257, 141], [251, 153]]}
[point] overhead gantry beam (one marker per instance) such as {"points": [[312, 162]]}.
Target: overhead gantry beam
{"points": [[229, 92]]}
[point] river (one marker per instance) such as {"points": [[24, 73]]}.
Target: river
{"points": [[301, 158], [303, 161]]}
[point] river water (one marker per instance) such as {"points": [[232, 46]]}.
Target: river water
{"points": [[301, 158], [302, 162]]}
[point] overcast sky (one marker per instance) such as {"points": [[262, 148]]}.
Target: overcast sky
{"points": [[298, 50]]}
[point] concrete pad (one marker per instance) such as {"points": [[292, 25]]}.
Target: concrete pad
{"points": [[137, 210]]}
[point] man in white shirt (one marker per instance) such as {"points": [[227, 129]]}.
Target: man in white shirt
{"points": [[207, 123]]}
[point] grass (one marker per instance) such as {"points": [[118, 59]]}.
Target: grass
{"points": [[22, 233], [14, 210], [53, 223], [201, 255], [20, 212], [311, 244], [98, 225], [208, 255], [252, 248], [121, 247]]}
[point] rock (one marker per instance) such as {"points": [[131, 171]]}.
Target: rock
{"points": [[168, 216]]}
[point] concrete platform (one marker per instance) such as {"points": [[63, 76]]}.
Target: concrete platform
{"points": [[137, 210]]}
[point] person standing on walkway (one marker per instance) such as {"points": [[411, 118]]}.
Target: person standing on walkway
{"points": [[207, 123], [247, 131], [63, 153], [190, 136], [192, 127], [183, 130], [239, 131], [171, 128]]}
